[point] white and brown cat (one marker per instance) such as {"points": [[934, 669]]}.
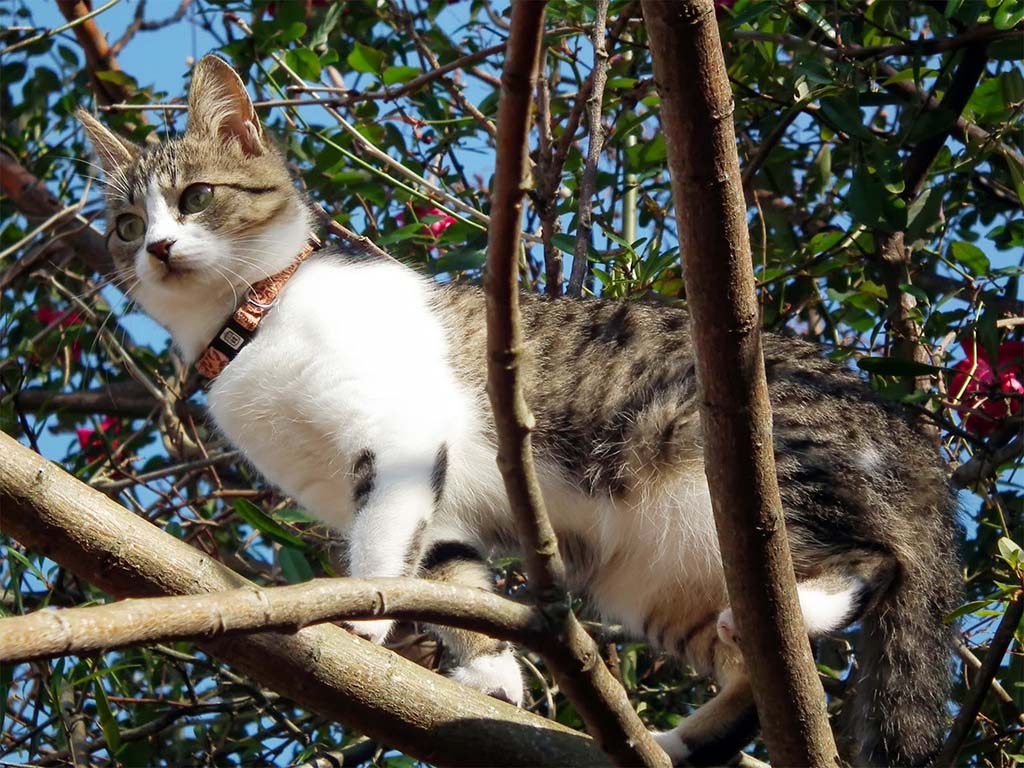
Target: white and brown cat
{"points": [[362, 395]]}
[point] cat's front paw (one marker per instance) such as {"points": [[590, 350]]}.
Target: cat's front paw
{"points": [[497, 675], [374, 630], [673, 744]]}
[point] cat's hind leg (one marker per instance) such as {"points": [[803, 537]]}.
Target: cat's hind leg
{"points": [[841, 589], [481, 662], [723, 726]]}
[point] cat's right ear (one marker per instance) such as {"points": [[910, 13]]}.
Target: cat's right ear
{"points": [[113, 152], [219, 106]]}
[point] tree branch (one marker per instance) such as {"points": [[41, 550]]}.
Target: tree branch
{"points": [[98, 55], [33, 200], [697, 106], [595, 100], [48, 633], [576, 662], [324, 668], [982, 683]]}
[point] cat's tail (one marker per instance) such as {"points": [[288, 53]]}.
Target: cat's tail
{"points": [[898, 714]]}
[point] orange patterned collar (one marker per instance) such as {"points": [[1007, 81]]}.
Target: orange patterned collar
{"points": [[240, 327]]}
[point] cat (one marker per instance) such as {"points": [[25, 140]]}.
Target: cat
{"points": [[362, 395]]}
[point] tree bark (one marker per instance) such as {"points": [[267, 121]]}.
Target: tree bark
{"points": [[324, 668], [575, 660], [696, 112]]}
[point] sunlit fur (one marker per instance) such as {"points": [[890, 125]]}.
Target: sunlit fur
{"points": [[362, 395]]}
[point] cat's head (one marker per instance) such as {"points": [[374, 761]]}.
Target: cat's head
{"points": [[199, 217]]}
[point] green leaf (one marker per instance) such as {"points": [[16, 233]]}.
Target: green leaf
{"points": [[1008, 14], [365, 59], [970, 256], [294, 565], [1010, 551], [108, 723], [395, 75], [823, 241], [304, 62], [325, 27], [255, 517], [117, 77], [891, 366], [563, 242], [844, 114]]}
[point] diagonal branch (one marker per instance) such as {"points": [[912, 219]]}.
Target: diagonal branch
{"points": [[37, 203], [323, 668], [577, 667], [98, 55], [697, 107], [982, 682]]}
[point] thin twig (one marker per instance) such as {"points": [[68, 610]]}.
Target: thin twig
{"points": [[57, 30]]}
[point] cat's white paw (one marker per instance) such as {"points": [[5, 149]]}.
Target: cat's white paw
{"points": [[672, 743], [374, 630], [497, 675], [726, 627]]}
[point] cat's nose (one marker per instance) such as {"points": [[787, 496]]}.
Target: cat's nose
{"points": [[161, 249]]}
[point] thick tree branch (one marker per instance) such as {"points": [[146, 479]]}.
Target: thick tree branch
{"points": [[324, 668], [696, 103], [98, 55], [32, 199], [577, 666]]}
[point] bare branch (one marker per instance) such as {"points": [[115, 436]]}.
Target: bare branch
{"points": [[575, 660], [48, 633], [595, 100], [982, 683], [696, 102]]}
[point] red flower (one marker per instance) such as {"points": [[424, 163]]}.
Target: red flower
{"points": [[92, 443], [48, 316], [440, 220], [987, 395]]}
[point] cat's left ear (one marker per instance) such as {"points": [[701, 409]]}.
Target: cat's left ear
{"points": [[219, 106], [114, 152]]}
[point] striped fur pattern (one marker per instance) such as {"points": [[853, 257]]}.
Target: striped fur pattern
{"points": [[363, 397]]}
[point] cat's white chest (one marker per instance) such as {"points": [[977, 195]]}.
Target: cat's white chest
{"points": [[352, 359]]}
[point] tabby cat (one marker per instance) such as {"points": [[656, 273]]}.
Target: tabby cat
{"points": [[362, 396]]}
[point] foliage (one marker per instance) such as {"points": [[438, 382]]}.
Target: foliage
{"points": [[832, 101]]}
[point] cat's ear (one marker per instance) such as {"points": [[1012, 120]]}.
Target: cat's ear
{"points": [[219, 106], [113, 152]]}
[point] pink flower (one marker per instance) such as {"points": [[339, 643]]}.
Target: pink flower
{"points": [[986, 395], [92, 443], [440, 220]]}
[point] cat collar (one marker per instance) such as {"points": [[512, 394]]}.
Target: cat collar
{"points": [[240, 327]]}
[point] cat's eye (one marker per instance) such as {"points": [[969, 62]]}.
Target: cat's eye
{"points": [[130, 227], [196, 198]]}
